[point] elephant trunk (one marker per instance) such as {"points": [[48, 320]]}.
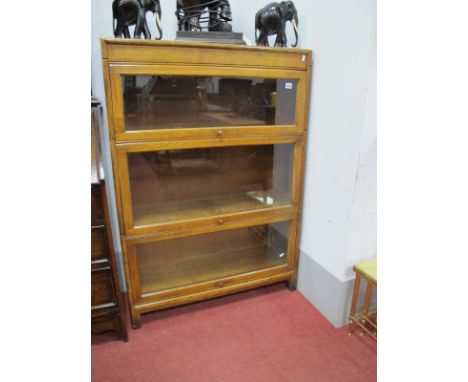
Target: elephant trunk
{"points": [[158, 24], [294, 24]]}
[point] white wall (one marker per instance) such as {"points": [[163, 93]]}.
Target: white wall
{"points": [[339, 219], [340, 193]]}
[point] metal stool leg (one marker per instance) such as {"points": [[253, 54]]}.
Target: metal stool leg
{"points": [[366, 304], [352, 312]]}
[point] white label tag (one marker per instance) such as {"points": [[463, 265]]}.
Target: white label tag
{"points": [[281, 254], [288, 85]]}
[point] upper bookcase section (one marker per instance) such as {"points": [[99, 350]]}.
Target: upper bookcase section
{"points": [[182, 90]]}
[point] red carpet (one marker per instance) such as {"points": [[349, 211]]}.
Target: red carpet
{"points": [[268, 334]]}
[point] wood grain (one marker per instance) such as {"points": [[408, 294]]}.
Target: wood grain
{"points": [[187, 298], [171, 52], [158, 213]]}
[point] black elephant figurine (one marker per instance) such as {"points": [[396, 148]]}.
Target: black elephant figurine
{"points": [[272, 18], [190, 15], [133, 12]]}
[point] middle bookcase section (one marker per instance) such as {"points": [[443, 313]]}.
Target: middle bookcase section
{"points": [[168, 186]]}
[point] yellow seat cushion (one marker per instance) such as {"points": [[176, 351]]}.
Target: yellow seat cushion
{"points": [[368, 268]]}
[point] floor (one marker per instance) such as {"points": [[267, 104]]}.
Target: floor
{"points": [[267, 334]]}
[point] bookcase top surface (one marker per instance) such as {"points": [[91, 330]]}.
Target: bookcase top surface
{"points": [[202, 45], [138, 50]]}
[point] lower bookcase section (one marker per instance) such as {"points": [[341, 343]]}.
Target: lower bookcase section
{"points": [[174, 263], [181, 267]]}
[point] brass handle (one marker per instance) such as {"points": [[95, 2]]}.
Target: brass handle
{"points": [[220, 133], [220, 221], [219, 283]]}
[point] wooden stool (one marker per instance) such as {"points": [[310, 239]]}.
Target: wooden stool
{"points": [[366, 269]]}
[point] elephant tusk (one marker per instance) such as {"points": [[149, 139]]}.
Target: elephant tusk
{"points": [[158, 23], [294, 25]]}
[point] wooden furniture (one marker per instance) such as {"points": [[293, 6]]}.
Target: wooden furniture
{"points": [[366, 269], [208, 148], [107, 310]]}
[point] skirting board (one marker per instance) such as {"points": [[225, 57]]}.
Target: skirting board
{"points": [[331, 296]]}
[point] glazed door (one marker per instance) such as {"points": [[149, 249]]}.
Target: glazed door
{"points": [[176, 264], [174, 185], [152, 101]]}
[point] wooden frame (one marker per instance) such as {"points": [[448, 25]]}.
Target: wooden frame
{"points": [[204, 54], [144, 57]]}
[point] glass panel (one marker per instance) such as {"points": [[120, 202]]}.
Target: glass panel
{"points": [[163, 102], [173, 185], [177, 262]]}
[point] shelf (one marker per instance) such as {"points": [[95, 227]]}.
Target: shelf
{"points": [[158, 213], [203, 269], [205, 119], [168, 186], [173, 263]]}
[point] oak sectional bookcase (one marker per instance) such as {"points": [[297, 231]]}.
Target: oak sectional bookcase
{"points": [[208, 148]]}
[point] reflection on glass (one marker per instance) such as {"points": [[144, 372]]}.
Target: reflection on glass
{"points": [[177, 262], [174, 185], [161, 102]]}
